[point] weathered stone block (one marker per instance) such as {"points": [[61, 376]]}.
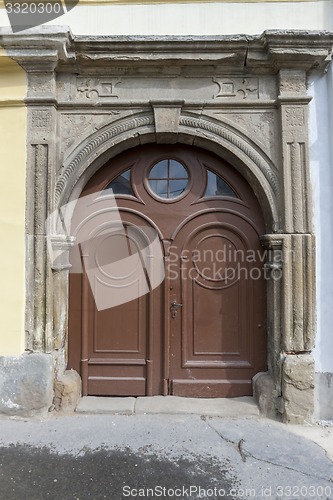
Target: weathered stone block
{"points": [[67, 391], [298, 388], [26, 384], [264, 393]]}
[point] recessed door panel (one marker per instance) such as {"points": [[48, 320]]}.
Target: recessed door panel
{"points": [[216, 322]]}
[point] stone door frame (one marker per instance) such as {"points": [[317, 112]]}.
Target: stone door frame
{"points": [[84, 106]]}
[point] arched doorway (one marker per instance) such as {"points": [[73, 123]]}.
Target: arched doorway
{"points": [[201, 330]]}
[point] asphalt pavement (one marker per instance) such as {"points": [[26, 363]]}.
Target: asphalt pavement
{"points": [[172, 456]]}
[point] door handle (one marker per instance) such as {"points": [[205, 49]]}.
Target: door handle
{"points": [[173, 308]]}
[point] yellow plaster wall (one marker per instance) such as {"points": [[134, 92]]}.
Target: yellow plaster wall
{"points": [[12, 205]]}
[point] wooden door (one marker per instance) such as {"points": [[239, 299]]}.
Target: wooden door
{"points": [[202, 331]]}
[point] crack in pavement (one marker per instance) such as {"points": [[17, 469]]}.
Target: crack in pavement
{"points": [[245, 454]]}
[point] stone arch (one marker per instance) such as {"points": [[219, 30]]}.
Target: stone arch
{"points": [[202, 131]]}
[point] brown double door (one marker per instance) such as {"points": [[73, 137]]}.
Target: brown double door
{"points": [[169, 293]]}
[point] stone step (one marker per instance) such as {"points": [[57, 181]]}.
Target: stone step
{"points": [[244, 407]]}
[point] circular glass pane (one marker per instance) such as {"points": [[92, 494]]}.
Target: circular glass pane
{"points": [[168, 179]]}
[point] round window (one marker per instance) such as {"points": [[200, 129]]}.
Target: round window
{"points": [[168, 179]]}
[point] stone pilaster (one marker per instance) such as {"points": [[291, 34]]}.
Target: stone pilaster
{"points": [[291, 299], [59, 247], [41, 162], [298, 297], [293, 103]]}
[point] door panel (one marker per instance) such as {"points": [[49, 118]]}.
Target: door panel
{"points": [[117, 330], [214, 335], [201, 332]]}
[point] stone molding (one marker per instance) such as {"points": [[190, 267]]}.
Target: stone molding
{"points": [[103, 140], [50, 47], [223, 83]]}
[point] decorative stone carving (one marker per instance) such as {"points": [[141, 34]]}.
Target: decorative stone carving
{"points": [[260, 126], [59, 246], [241, 88], [91, 88], [41, 119], [238, 142], [95, 141], [294, 116], [74, 127]]}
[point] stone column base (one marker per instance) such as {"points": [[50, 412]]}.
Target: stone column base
{"points": [[67, 392], [298, 388], [265, 394]]}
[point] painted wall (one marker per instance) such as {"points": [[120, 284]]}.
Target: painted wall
{"points": [[191, 18], [12, 205], [321, 163]]}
